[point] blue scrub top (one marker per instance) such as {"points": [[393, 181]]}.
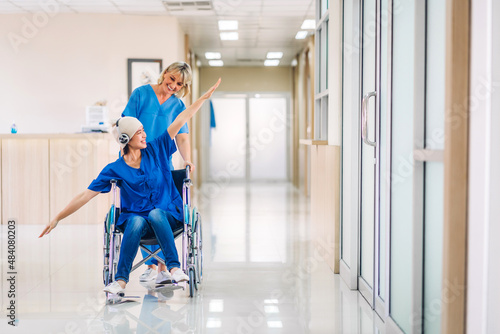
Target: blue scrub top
{"points": [[155, 117], [146, 188]]}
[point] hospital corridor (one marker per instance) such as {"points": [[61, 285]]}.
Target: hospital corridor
{"points": [[249, 166], [261, 274]]}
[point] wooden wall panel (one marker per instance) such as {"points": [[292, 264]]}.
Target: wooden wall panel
{"points": [[456, 164], [25, 180], [325, 202], [42, 173], [332, 205], [74, 163]]}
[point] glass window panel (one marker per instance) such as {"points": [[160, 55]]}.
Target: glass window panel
{"points": [[433, 246], [326, 56], [434, 175], [317, 70], [367, 218], [317, 119], [384, 176], [435, 76], [324, 7], [323, 57], [402, 168], [324, 117], [349, 150]]}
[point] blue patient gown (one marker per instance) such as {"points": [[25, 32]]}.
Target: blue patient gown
{"points": [[146, 188], [156, 118]]}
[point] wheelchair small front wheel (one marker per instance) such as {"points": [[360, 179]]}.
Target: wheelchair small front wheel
{"points": [[192, 282]]}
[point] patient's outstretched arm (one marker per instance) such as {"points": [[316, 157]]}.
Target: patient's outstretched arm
{"points": [[189, 112], [76, 203]]}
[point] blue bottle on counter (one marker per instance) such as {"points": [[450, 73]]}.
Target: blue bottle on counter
{"points": [[13, 127]]}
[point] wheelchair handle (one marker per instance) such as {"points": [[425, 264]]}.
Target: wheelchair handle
{"points": [[113, 188]]}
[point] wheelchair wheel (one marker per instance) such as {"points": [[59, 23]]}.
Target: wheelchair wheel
{"points": [[192, 282], [199, 251], [105, 269], [116, 244]]}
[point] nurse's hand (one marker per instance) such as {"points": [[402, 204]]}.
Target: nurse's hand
{"points": [[50, 226], [190, 164]]}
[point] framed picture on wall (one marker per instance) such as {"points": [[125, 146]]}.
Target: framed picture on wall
{"points": [[142, 72]]}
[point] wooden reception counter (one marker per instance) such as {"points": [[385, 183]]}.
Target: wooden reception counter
{"points": [[40, 174]]}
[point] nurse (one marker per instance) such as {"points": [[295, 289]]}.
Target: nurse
{"points": [[151, 205], [156, 106]]}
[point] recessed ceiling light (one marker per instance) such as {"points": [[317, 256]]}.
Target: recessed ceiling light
{"points": [[274, 55], [308, 24], [271, 62], [301, 34], [228, 25], [212, 55], [294, 62], [215, 63], [229, 36]]}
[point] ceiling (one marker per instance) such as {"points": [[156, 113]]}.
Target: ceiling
{"points": [[263, 25]]}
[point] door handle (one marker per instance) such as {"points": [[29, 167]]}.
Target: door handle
{"points": [[364, 119]]}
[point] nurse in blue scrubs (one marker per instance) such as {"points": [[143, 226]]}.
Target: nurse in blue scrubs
{"points": [[150, 203], [156, 106]]}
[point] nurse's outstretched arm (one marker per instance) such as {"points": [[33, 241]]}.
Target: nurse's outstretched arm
{"points": [[189, 112], [75, 204]]}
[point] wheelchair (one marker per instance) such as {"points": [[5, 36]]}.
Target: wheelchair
{"points": [[192, 256]]}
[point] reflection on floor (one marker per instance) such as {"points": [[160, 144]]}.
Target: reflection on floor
{"points": [[260, 276]]}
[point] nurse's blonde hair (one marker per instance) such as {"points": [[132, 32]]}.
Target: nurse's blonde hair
{"points": [[184, 70]]}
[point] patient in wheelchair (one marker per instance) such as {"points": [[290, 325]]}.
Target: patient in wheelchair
{"points": [[150, 203]]}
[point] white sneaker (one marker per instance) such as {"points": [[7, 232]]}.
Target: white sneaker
{"points": [[163, 278], [148, 275], [179, 276], [115, 289]]}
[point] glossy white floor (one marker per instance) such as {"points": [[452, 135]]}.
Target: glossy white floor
{"points": [[261, 275]]}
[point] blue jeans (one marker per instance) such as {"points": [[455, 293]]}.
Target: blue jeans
{"points": [[159, 224]]}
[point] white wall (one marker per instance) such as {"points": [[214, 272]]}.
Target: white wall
{"points": [[483, 288], [70, 61]]}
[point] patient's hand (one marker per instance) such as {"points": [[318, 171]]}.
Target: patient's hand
{"points": [[50, 226], [211, 90]]}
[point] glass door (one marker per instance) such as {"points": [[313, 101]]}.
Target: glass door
{"points": [[368, 149], [250, 141], [374, 198]]}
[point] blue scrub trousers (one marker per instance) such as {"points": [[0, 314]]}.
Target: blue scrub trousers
{"points": [[159, 223]]}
